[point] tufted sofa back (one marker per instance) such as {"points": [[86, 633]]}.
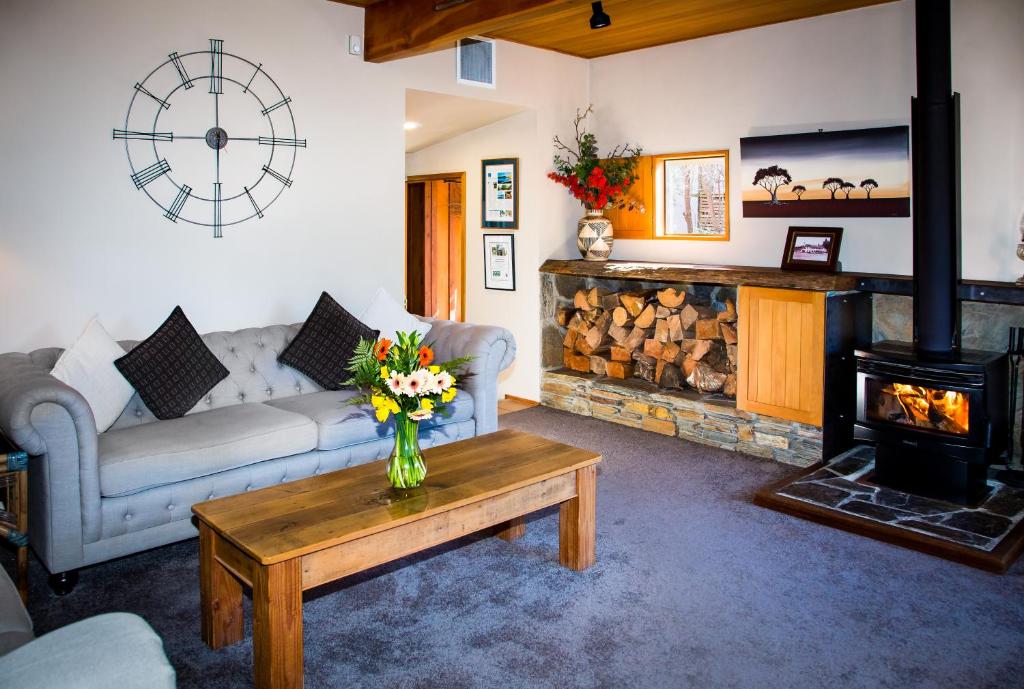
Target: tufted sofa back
{"points": [[254, 375]]}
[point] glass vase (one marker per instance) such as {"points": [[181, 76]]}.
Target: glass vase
{"points": [[406, 468]]}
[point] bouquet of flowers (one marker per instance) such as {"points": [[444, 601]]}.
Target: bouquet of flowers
{"points": [[596, 183], [401, 380]]}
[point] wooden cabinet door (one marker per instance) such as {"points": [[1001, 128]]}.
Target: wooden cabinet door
{"points": [[781, 353]]}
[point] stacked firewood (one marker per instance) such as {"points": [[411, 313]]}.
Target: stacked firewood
{"points": [[664, 336]]}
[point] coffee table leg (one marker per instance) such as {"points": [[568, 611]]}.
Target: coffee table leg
{"points": [[512, 529], [577, 522], [277, 625], [220, 595]]}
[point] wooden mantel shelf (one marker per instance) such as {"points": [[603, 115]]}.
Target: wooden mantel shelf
{"points": [[756, 276], [704, 274]]}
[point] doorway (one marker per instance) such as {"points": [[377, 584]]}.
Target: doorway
{"points": [[435, 241]]}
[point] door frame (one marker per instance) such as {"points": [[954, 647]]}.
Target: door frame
{"points": [[415, 179]]}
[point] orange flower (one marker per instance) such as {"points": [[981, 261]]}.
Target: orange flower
{"points": [[381, 350], [426, 356]]}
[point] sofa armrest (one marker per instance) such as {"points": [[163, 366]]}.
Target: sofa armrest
{"points": [[54, 424], [493, 349]]}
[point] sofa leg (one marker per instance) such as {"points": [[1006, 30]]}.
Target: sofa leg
{"points": [[63, 583]]}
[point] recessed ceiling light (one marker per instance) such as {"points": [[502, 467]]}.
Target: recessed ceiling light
{"points": [[412, 125]]}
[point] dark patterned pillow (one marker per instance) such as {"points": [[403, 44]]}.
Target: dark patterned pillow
{"points": [[325, 343], [172, 368]]}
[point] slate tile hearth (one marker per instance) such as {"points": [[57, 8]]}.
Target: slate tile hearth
{"points": [[844, 485]]}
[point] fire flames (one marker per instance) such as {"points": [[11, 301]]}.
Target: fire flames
{"points": [[942, 410]]}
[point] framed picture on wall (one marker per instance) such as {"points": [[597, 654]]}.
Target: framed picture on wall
{"points": [[500, 262], [499, 205], [812, 248]]}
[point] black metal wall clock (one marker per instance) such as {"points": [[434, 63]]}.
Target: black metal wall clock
{"points": [[210, 138]]}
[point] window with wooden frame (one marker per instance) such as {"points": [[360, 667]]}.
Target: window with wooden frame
{"points": [[684, 196]]}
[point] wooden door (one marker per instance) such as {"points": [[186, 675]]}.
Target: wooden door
{"points": [[435, 241], [415, 247], [781, 353]]}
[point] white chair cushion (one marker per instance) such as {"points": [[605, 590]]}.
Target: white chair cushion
{"points": [[88, 367]]}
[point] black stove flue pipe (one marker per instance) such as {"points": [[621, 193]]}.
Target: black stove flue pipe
{"points": [[936, 186]]}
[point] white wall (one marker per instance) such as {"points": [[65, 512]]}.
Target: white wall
{"points": [[840, 71], [552, 86], [77, 238]]}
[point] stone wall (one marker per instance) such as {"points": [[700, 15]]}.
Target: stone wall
{"points": [[709, 419], [684, 414]]}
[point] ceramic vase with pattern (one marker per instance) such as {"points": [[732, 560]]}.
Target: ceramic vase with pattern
{"points": [[594, 236]]}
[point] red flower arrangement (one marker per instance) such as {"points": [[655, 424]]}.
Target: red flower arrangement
{"points": [[596, 183]]}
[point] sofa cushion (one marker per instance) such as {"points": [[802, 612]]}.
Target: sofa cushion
{"points": [[165, 452], [173, 368], [88, 366], [112, 650], [15, 624], [341, 425], [385, 314], [326, 342]]}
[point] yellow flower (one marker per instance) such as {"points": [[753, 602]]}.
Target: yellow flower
{"points": [[434, 369], [448, 395], [427, 404], [393, 407], [384, 373], [382, 414], [378, 401]]}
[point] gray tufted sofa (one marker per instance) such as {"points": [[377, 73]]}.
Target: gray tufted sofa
{"points": [[96, 496]]}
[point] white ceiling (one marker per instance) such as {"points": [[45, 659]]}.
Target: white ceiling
{"points": [[442, 117]]}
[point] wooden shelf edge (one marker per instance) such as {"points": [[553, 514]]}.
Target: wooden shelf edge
{"points": [[985, 291]]}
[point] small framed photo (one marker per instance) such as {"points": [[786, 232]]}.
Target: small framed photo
{"points": [[500, 193], [812, 248], [500, 262]]}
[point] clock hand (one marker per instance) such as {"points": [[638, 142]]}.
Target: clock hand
{"points": [[145, 136], [168, 136], [217, 228]]}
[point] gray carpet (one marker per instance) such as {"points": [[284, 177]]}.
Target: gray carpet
{"points": [[694, 587]]}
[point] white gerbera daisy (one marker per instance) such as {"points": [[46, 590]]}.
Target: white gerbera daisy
{"points": [[445, 380], [396, 383], [415, 383]]}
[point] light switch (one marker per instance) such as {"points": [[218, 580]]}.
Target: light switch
{"points": [[355, 45]]}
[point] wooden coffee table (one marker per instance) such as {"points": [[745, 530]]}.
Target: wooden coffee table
{"points": [[291, 537]]}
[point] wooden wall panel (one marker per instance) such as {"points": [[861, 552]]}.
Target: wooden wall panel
{"points": [[456, 258], [782, 353], [437, 307]]}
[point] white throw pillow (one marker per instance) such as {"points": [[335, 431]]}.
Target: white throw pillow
{"points": [[386, 315], [88, 366]]}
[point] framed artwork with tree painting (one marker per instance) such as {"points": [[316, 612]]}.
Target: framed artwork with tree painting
{"points": [[812, 248], [856, 173]]}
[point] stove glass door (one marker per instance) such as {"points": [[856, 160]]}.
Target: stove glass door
{"points": [[929, 408]]}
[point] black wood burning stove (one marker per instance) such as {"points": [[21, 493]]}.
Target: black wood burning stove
{"points": [[937, 423], [936, 413]]}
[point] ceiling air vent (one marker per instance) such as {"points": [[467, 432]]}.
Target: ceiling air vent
{"points": [[474, 62]]}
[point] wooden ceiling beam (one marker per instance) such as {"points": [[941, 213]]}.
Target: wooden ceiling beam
{"points": [[402, 28]]}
